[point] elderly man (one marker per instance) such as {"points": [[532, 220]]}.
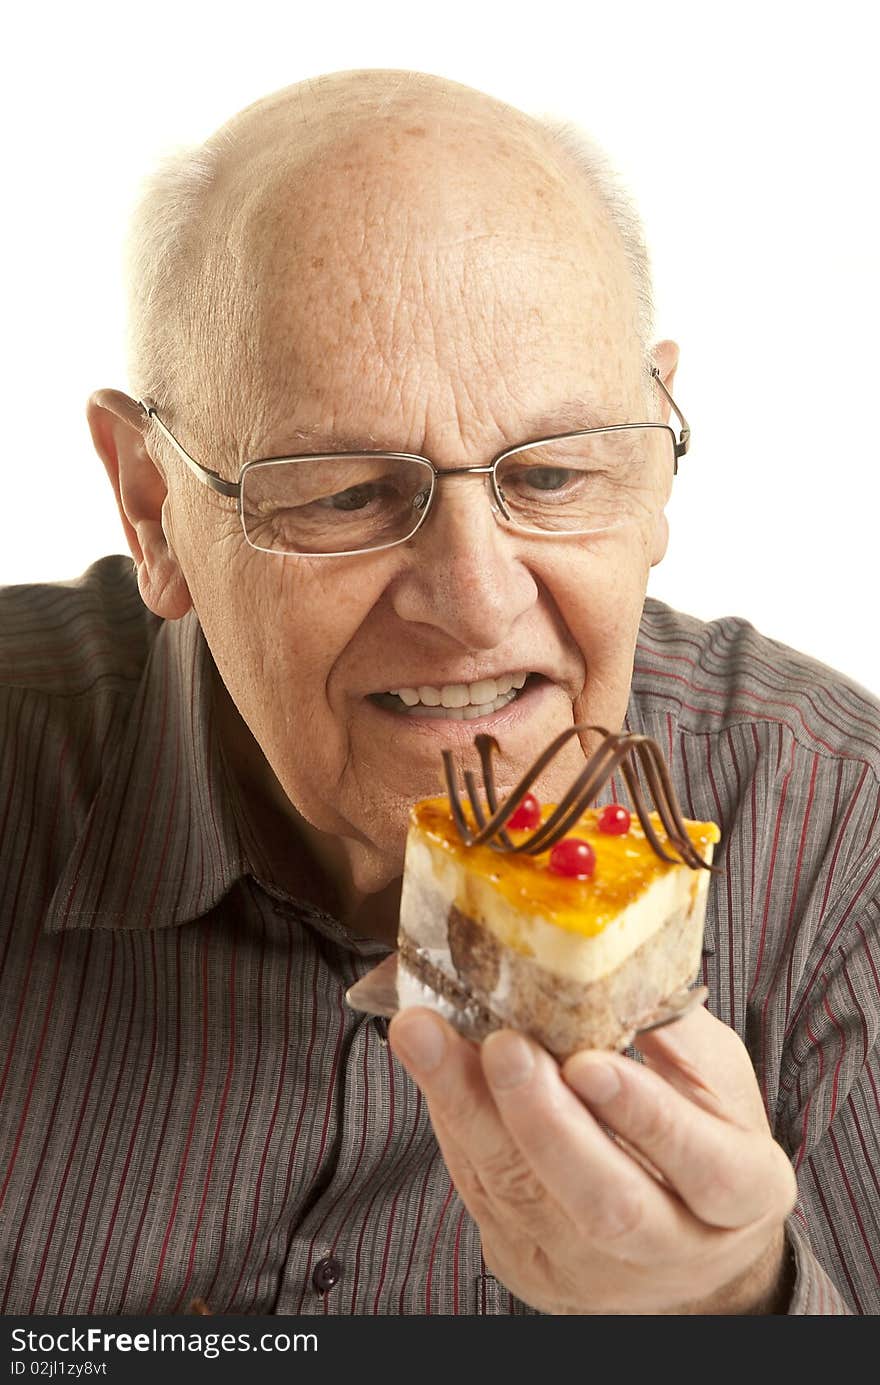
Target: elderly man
{"points": [[207, 770]]}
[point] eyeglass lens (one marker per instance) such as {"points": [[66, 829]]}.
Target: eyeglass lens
{"points": [[347, 503]]}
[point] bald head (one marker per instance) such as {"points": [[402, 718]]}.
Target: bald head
{"points": [[321, 188], [294, 124]]}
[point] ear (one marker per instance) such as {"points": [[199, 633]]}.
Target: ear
{"points": [[118, 425], [665, 355]]}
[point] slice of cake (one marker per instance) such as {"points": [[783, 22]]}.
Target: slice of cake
{"points": [[574, 924]]}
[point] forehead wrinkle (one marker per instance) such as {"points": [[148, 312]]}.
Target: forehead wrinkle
{"points": [[569, 415], [407, 353], [468, 321], [404, 295]]}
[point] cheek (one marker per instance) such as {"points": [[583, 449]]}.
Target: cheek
{"points": [[599, 593], [599, 587], [277, 626]]}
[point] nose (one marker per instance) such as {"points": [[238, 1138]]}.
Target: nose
{"points": [[465, 573]]}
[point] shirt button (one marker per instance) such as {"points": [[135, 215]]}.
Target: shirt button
{"points": [[326, 1273]]}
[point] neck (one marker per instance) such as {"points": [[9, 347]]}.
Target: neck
{"points": [[286, 849]]}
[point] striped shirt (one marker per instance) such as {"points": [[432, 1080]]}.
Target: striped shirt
{"points": [[189, 1109]]}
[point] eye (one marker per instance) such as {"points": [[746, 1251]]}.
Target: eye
{"points": [[546, 478], [354, 498]]}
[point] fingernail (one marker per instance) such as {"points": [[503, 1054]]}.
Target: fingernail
{"points": [[419, 1040], [595, 1081], [508, 1060]]}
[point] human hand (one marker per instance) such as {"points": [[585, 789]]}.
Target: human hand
{"points": [[573, 1223]]}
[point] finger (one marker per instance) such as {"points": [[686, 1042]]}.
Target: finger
{"points": [[480, 1153], [728, 1176], [705, 1060], [604, 1193]]}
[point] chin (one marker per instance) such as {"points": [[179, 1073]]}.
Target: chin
{"points": [[376, 866]]}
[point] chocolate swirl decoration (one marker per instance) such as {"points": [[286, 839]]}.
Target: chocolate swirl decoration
{"points": [[618, 750]]}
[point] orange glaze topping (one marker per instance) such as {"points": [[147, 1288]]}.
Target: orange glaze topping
{"points": [[625, 865]]}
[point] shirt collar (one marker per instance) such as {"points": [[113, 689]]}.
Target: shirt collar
{"points": [[160, 845]]}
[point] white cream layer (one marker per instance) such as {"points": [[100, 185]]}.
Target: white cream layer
{"points": [[431, 874]]}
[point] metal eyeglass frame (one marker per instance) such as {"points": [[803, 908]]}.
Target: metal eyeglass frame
{"points": [[233, 489]]}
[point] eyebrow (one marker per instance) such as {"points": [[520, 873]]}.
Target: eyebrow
{"points": [[570, 416], [574, 414]]}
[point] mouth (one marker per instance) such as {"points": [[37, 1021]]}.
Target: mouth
{"points": [[458, 701]]}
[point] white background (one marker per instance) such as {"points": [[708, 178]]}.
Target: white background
{"points": [[747, 133]]}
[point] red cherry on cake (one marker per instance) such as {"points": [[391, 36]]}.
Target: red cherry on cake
{"points": [[614, 820], [526, 814], [574, 858]]}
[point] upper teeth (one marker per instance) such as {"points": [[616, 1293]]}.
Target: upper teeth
{"points": [[460, 694]]}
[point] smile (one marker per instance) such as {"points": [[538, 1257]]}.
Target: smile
{"points": [[454, 701]]}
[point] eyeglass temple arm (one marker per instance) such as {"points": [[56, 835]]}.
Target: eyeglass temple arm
{"points": [[208, 478], [684, 440]]}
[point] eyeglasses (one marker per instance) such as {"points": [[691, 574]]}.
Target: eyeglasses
{"points": [[330, 504]]}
